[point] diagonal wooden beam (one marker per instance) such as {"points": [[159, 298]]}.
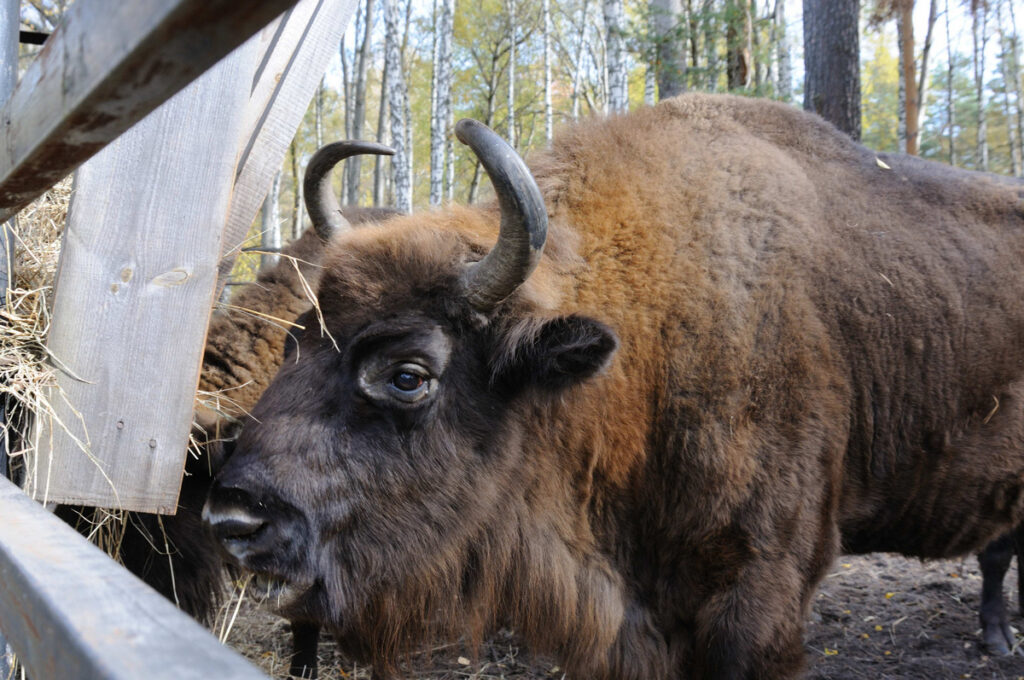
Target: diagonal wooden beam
{"points": [[109, 64], [72, 612]]}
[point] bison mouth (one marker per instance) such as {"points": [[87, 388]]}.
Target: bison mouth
{"points": [[277, 593]]}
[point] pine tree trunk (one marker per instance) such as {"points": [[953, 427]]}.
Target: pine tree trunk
{"points": [[979, 25], [359, 108], [666, 16], [614, 24], [442, 99], [922, 74], [270, 234], [396, 104], [832, 62], [738, 46], [908, 76]]}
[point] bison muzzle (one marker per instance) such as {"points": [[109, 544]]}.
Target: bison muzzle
{"points": [[714, 343]]}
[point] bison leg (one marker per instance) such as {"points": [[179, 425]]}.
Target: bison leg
{"points": [[1018, 548], [755, 629], [995, 624], [305, 638]]}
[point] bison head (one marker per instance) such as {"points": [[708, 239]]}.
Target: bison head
{"points": [[398, 476]]}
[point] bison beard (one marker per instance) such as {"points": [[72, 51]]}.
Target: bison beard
{"points": [[748, 345]]}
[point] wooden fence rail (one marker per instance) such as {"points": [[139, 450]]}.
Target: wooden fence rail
{"points": [[109, 64], [71, 612]]}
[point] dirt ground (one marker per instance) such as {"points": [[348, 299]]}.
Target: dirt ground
{"points": [[876, 616]]}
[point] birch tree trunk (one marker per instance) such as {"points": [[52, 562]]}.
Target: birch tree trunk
{"points": [[710, 46], [355, 163], [577, 75], [510, 6], [270, 234], [442, 99], [346, 89], [396, 104], [378, 160], [785, 68], [1015, 69], [549, 119], [614, 23], [670, 55], [950, 101], [296, 193], [979, 25], [319, 111], [1011, 87]]}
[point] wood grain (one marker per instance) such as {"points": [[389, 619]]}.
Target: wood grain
{"points": [[134, 289]]}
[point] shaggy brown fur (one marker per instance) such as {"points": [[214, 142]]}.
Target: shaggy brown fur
{"points": [[749, 345]]}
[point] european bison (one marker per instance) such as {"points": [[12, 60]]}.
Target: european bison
{"points": [[715, 343]]}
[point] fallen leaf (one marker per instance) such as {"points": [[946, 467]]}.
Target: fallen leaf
{"points": [[831, 652], [464, 661], [882, 164]]}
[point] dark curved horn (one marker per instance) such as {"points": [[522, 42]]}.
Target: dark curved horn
{"points": [[524, 219], [322, 204]]}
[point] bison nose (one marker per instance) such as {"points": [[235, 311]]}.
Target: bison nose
{"points": [[229, 516], [232, 523]]}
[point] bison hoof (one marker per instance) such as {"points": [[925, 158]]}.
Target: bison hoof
{"points": [[998, 638]]}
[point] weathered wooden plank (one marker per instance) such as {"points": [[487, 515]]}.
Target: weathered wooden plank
{"points": [[72, 612], [109, 64], [297, 55], [8, 78], [134, 289]]}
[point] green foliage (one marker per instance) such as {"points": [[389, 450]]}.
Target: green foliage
{"points": [[880, 90], [480, 71]]}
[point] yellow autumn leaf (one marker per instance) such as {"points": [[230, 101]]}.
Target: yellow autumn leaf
{"points": [[831, 652], [878, 627], [888, 596]]}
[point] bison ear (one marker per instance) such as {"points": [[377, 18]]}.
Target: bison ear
{"points": [[561, 352]]}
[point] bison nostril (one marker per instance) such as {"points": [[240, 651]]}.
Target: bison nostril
{"points": [[236, 523], [231, 521]]}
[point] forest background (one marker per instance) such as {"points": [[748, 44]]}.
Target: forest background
{"points": [[937, 78]]}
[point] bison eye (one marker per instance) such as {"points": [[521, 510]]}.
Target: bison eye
{"points": [[409, 383]]}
